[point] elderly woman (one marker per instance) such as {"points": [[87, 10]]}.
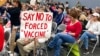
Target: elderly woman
{"points": [[93, 27], [70, 35]]}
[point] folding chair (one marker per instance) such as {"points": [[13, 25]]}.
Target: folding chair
{"points": [[54, 29], [96, 43], [71, 47], [61, 28], [42, 50], [99, 40]]}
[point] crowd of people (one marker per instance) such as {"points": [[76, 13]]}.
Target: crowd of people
{"points": [[75, 19]]}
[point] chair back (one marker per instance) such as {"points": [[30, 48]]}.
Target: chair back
{"points": [[61, 27], [54, 27]]}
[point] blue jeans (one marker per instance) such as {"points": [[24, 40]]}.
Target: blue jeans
{"points": [[85, 37], [58, 40]]}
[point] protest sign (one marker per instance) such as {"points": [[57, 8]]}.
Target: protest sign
{"points": [[35, 24]]}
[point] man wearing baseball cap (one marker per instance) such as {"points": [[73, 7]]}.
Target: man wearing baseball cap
{"points": [[59, 17]]}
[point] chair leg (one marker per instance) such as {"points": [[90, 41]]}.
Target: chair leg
{"points": [[46, 52], [81, 44], [94, 46], [71, 49]]}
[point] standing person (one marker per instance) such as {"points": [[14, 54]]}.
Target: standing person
{"points": [[1, 34], [70, 35], [14, 11], [93, 27]]}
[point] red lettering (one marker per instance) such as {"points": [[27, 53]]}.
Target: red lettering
{"points": [[28, 16], [38, 26], [32, 16], [41, 26], [25, 16], [34, 26], [45, 25], [48, 17], [39, 34], [28, 34], [39, 16], [29, 25], [26, 24], [42, 34], [32, 34]]}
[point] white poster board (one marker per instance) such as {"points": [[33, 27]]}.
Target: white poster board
{"points": [[35, 24]]}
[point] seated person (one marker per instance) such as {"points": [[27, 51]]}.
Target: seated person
{"points": [[93, 27], [71, 34], [60, 16], [1, 34], [26, 45]]}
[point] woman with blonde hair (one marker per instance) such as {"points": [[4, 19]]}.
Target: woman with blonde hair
{"points": [[93, 27], [83, 20]]}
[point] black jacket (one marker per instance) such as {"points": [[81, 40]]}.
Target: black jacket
{"points": [[15, 15]]}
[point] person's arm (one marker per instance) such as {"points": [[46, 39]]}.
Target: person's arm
{"points": [[98, 29], [59, 19], [88, 24]]}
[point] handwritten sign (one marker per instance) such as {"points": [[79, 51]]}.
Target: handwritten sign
{"points": [[35, 24]]}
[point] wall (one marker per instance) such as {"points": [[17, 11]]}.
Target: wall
{"points": [[87, 3]]}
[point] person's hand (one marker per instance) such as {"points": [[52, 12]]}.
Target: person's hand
{"points": [[91, 20], [91, 32], [72, 34], [64, 31], [26, 40]]}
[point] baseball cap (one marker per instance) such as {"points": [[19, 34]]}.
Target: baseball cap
{"points": [[61, 7], [96, 14]]}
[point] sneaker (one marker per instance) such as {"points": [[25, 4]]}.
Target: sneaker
{"points": [[86, 52]]}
